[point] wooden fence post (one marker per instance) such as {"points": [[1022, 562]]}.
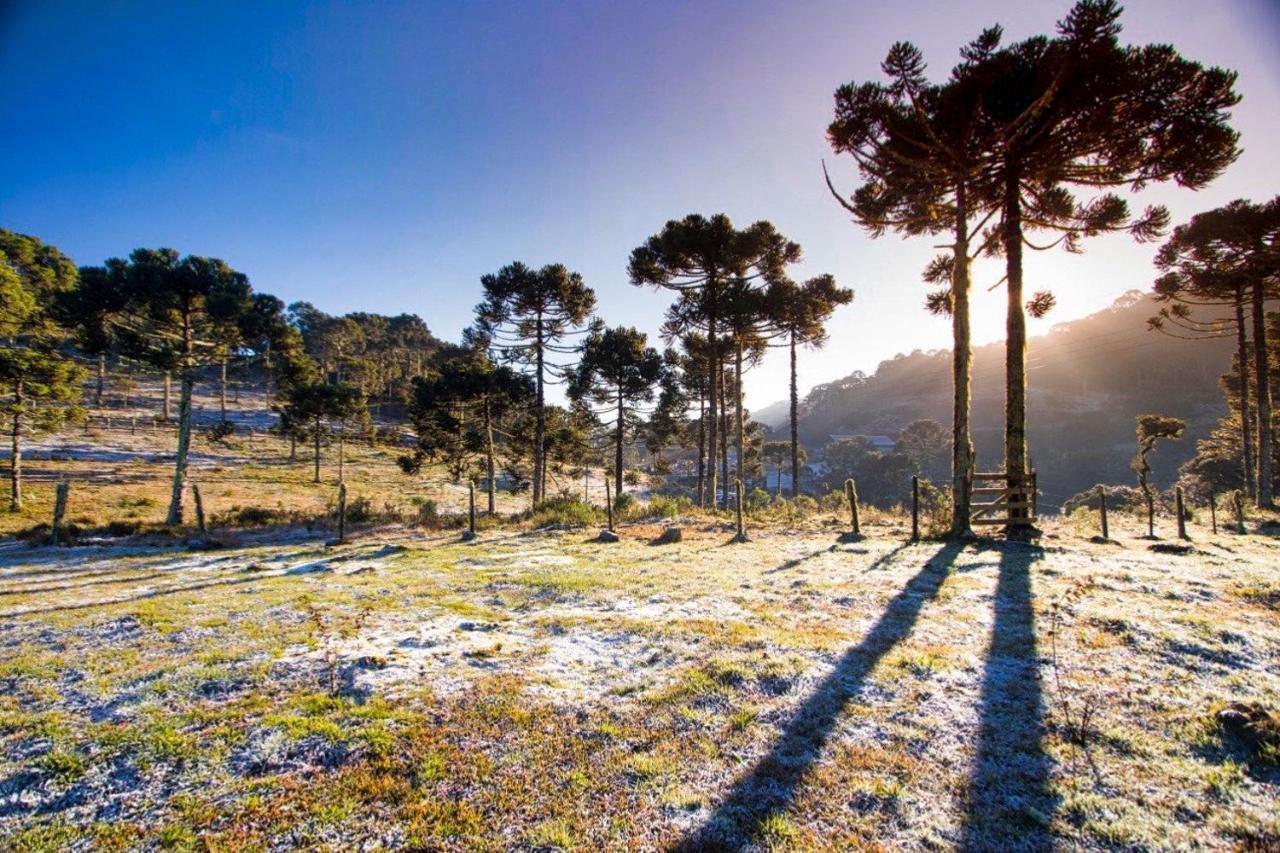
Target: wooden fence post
{"points": [[608, 502], [851, 493], [1102, 510], [741, 535], [342, 512], [915, 508], [1034, 497], [1182, 518], [195, 491], [59, 510], [471, 508], [1213, 511]]}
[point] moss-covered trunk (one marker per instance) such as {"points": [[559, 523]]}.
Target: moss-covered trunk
{"points": [[1015, 409], [488, 455], [15, 461], [177, 496], [702, 450], [1242, 369], [795, 427], [713, 390], [617, 452], [737, 405], [1262, 374], [540, 418], [188, 382], [961, 376]]}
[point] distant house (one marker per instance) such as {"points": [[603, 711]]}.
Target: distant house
{"points": [[875, 442]]}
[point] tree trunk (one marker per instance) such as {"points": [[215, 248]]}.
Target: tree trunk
{"points": [[1015, 409], [961, 376], [488, 453], [15, 461], [702, 450], [617, 450], [168, 390], [1242, 368], [102, 380], [795, 428], [713, 387], [222, 388], [724, 440], [737, 398], [317, 456], [540, 419], [1262, 374], [342, 448], [293, 447], [176, 500]]}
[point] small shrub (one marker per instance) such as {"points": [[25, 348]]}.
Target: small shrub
{"points": [[667, 506], [624, 505], [631, 478], [804, 506], [1119, 499], [360, 510], [252, 516], [568, 512], [428, 511], [834, 502], [935, 509], [221, 431]]}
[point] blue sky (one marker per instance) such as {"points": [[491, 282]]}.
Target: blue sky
{"points": [[383, 156]]}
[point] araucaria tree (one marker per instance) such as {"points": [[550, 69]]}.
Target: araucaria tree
{"points": [[1037, 120], [1229, 256], [527, 316], [458, 407], [175, 313], [321, 406], [799, 314], [669, 418], [704, 259], [40, 384], [919, 151], [1076, 112], [1152, 428], [618, 373]]}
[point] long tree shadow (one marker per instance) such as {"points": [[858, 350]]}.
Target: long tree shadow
{"points": [[771, 785], [1009, 804]]}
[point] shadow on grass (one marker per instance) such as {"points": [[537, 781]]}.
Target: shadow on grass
{"points": [[795, 561], [771, 785], [1009, 805]]}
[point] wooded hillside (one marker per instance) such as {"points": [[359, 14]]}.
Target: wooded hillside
{"points": [[1089, 379]]}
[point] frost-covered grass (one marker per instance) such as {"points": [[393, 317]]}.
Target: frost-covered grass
{"points": [[540, 690]]}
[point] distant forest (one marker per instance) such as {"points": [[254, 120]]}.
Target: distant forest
{"points": [[1088, 380]]}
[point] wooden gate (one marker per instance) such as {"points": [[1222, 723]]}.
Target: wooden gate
{"points": [[996, 496]]}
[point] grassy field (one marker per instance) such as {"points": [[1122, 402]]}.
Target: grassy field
{"points": [[538, 690]]}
